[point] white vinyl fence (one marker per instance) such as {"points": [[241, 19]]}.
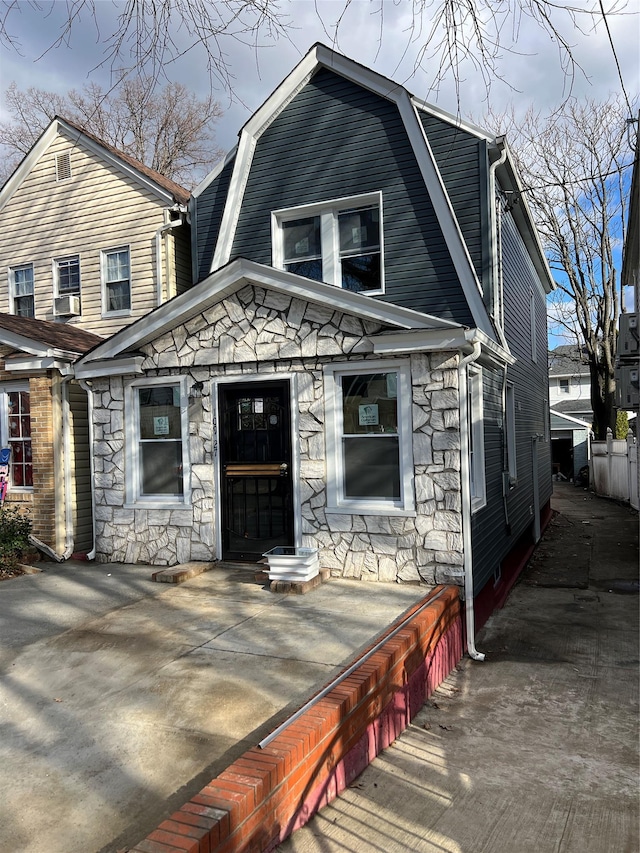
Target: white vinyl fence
{"points": [[614, 468]]}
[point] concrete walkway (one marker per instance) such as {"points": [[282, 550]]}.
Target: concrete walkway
{"points": [[536, 749], [120, 698]]}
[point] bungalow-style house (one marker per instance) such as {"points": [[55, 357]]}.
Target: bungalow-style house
{"points": [[361, 365], [91, 241]]}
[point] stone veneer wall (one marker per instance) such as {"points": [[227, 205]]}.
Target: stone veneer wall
{"points": [[257, 331]]}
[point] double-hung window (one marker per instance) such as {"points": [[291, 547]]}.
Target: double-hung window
{"points": [[21, 290], [116, 277], [15, 433], [475, 432], [369, 438], [157, 445], [339, 242]]}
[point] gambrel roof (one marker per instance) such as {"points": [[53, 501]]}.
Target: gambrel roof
{"points": [[233, 173]]}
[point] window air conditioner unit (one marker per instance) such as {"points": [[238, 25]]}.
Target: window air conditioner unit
{"points": [[67, 306], [629, 337]]}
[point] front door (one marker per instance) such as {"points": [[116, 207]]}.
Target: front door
{"points": [[255, 445]]}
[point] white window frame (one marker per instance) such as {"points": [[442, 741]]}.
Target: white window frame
{"points": [[106, 312], [5, 389], [336, 500], [12, 288], [561, 388], [134, 498], [475, 425], [510, 423], [56, 275], [329, 234]]}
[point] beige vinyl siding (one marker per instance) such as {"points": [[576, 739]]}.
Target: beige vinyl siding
{"points": [[81, 470], [100, 207]]}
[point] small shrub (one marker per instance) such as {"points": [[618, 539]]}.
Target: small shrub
{"points": [[15, 528]]}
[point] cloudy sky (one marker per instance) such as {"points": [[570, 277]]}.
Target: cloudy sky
{"points": [[529, 60]]}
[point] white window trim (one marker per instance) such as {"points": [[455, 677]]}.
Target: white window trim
{"points": [[133, 485], [125, 312], [329, 240], [12, 286], [477, 479], [56, 274], [5, 388], [336, 502]]}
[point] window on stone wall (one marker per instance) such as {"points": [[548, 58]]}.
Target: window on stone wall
{"points": [[369, 437], [157, 461], [15, 429]]}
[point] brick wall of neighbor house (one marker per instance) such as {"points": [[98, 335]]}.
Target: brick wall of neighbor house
{"points": [[258, 331], [43, 466], [42, 497]]}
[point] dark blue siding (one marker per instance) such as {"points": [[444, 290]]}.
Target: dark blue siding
{"points": [[491, 538], [462, 160], [209, 209], [336, 139]]}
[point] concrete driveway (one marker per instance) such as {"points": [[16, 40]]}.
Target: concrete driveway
{"points": [[535, 750], [121, 697]]}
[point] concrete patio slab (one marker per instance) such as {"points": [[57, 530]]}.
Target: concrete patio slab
{"points": [[120, 696]]}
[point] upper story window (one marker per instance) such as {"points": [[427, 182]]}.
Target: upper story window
{"points": [[67, 275], [116, 277], [563, 386], [21, 295], [339, 242]]}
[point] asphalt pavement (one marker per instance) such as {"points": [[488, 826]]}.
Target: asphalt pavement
{"points": [[534, 750]]}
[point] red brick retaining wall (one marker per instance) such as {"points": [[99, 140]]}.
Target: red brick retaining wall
{"points": [[267, 793]]}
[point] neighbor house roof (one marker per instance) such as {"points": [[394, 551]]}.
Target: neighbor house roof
{"points": [[40, 336], [168, 191], [568, 360]]}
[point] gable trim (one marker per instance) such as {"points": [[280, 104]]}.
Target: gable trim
{"points": [[321, 57], [241, 272], [573, 420], [59, 127]]}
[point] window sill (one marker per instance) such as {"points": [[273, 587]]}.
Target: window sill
{"points": [[477, 504], [156, 505], [368, 509], [109, 314]]}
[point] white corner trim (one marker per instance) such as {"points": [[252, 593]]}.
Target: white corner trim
{"points": [[445, 214]]}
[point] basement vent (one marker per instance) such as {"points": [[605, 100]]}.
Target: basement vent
{"points": [[63, 167]]}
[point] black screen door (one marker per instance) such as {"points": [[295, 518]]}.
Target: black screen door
{"points": [[255, 442]]}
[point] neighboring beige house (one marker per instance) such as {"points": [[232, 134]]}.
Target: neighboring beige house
{"points": [[91, 241]]}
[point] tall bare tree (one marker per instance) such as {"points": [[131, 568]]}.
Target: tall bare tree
{"points": [[148, 35], [169, 130], [576, 167]]}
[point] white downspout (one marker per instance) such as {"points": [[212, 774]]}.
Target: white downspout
{"points": [[466, 501], [86, 387], [173, 223]]}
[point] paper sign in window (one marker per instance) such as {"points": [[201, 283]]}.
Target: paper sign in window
{"points": [[368, 415], [161, 426]]}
